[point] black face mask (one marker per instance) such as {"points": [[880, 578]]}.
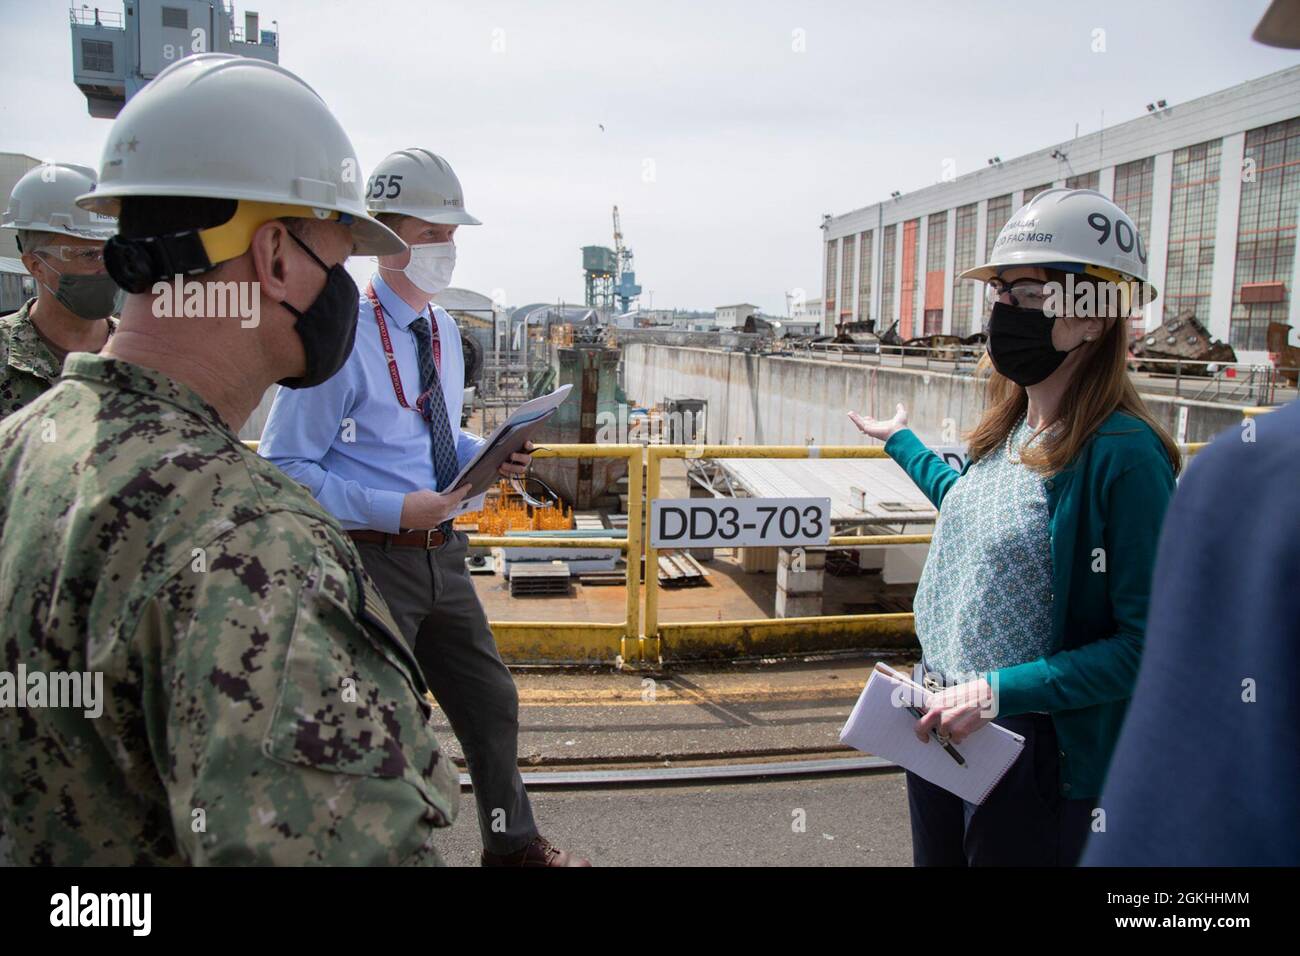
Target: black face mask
{"points": [[328, 327], [89, 297], [1020, 344]]}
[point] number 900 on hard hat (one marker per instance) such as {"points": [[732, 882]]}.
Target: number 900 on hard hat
{"points": [[1071, 230], [220, 126]]}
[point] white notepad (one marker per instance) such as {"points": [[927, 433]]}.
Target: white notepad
{"points": [[880, 724]]}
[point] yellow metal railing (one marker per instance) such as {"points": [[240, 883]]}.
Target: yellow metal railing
{"points": [[758, 635], [755, 635], [586, 640]]}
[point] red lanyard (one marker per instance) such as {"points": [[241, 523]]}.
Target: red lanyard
{"points": [[388, 344]]}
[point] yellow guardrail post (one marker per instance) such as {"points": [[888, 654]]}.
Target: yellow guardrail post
{"points": [[653, 455], [635, 548]]}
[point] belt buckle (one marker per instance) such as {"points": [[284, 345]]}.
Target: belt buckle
{"points": [[429, 543]]}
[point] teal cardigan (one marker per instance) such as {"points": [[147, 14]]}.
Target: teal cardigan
{"points": [[1105, 510]]}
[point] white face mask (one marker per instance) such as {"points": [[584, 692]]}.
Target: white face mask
{"points": [[431, 266]]}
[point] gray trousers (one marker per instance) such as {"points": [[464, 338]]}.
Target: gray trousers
{"points": [[433, 601]]}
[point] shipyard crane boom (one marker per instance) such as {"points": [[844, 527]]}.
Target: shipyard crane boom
{"points": [[618, 240], [625, 290]]}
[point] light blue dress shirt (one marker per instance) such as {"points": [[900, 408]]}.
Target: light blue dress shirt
{"points": [[349, 441]]}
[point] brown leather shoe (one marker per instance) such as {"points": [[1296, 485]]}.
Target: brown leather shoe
{"points": [[540, 852]]}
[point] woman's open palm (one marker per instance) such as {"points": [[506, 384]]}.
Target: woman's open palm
{"points": [[876, 428]]}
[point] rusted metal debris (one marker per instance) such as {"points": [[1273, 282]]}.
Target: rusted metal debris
{"points": [[1182, 337]]}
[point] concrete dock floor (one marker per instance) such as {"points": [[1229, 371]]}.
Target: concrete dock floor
{"points": [[598, 715], [601, 718]]}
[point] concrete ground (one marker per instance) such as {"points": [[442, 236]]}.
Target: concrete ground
{"points": [[731, 594], [598, 715], [599, 718], [835, 821]]}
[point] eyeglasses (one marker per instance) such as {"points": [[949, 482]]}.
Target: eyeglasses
{"points": [[85, 255], [1026, 293], [530, 487]]}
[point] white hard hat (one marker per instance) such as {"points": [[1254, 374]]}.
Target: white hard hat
{"points": [[416, 182], [220, 126], [45, 200], [1075, 230]]}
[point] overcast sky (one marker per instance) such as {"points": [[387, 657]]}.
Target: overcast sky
{"points": [[729, 127]]}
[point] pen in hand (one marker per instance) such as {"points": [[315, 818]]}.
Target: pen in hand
{"points": [[952, 751]]}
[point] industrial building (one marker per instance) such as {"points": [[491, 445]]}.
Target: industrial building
{"points": [[733, 316], [114, 54], [1212, 185]]}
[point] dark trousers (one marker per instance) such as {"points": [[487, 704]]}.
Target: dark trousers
{"points": [[433, 601], [1023, 822]]}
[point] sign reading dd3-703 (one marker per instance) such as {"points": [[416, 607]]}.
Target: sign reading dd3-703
{"points": [[739, 522]]}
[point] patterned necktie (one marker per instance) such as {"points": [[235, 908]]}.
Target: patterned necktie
{"points": [[433, 406]]}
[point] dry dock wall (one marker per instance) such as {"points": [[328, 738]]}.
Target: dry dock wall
{"points": [[779, 400]]}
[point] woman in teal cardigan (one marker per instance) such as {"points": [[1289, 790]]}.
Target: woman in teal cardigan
{"points": [[1032, 605]]}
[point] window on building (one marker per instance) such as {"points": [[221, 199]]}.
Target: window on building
{"points": [[176, 17], [97, 55], [846, 278], [963, 258], [865, 253], [1084, 181], [1266, 232], [888, 256], [999, 212], [1193, 209], [1031, 192], [936, 251], [828, 294], [908, 284], [1133, 193], [1133, 185]]}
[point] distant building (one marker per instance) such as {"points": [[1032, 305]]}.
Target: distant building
{"points": [[800, 325], [16, 285], [650, 318], [1213, 186], [733, 316], [479, 319], [697, 322], [810, 312]]}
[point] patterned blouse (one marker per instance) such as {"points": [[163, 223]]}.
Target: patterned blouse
{"points": [[984, 600]]}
